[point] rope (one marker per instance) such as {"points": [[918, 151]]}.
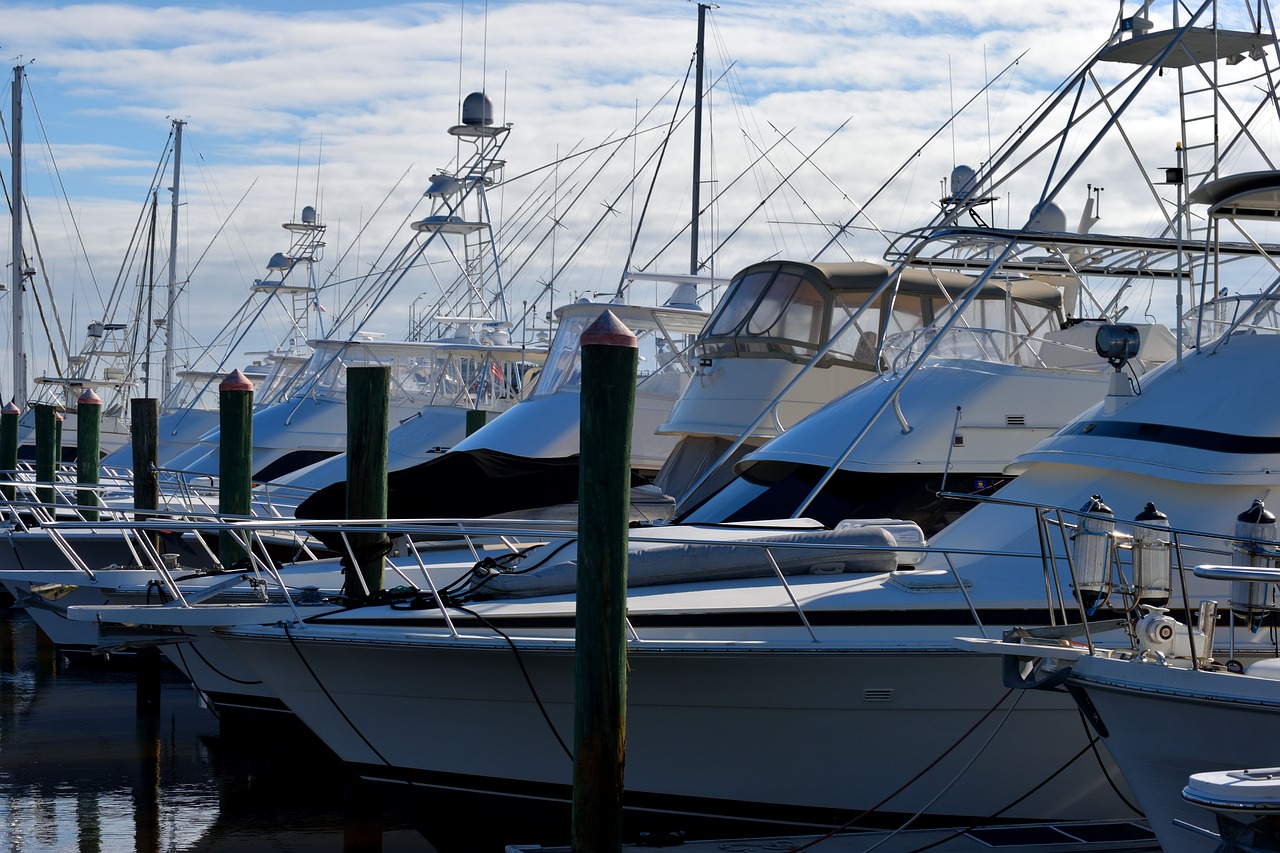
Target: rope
{"points": [[533, 691], [905, 785]]}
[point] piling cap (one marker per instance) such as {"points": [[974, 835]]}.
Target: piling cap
{"points": [[89, 398], [608, 331], [236, 381], [10, 408], [1257, 514]]}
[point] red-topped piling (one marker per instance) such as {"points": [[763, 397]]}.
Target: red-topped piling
{"points": [[609, 360], [88, 452]]}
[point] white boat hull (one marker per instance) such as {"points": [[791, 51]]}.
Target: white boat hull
{"points": [[796, 735], [1166, 723]]}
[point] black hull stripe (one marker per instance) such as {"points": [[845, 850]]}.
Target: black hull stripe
{"points": [[1192, 439], [725, 814], [246, 702]]}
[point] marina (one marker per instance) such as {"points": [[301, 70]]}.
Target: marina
{"points": [[959, 544], [85, 770], [81, 768]]}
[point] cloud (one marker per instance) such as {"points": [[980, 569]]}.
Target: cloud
{"points": [[319, 104]]}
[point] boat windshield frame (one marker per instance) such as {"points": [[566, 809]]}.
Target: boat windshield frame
{"points": [[663, 334], [761, 316]]}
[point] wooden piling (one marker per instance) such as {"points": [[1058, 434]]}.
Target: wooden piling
{"points": [[88, 452], [147, 688], [609, 360], [9, 417], [368, 417], [47, 451], [476, 418], [235, 460], [144, 433]]}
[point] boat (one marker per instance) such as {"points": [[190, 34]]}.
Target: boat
{"points": [[462, 357], [525, 462], [1162, 629], [1166, 638], [793, 658]]}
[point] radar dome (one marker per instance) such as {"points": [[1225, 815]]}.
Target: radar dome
{"points": [[1050, 218], [477, 110], [962, 180]]}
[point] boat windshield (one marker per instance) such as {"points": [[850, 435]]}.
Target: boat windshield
{"points": [[1251, 313], [663, 337], [432, 373], [785, 310], [1009, 331], [772, 489]]}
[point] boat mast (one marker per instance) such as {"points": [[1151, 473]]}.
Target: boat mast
{"points": [[170, 369], [19, 261], [697, 140]]}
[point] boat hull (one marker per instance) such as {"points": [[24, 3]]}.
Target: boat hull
{"points": [[1153, 715], [794, 736]]}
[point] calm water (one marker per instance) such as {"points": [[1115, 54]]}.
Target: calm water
{"points": [[81, 770]]}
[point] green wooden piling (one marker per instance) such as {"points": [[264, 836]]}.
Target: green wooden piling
{"points": [[476, 418], [147, 661], [88, 452], [9, 417], [368, 417], [46, 451], [144, 433], [609, 361], [235, 460]]}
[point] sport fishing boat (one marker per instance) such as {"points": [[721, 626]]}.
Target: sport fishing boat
{"points": [[461, 356], [525, 462], [785, 657], [1166, 636]]}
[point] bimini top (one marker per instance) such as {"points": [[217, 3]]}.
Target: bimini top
{"points": [[866, 276], [1249, 195]]}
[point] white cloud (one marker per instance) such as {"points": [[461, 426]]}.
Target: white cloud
{"points": [[369, 92]]}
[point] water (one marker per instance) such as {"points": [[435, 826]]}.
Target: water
{"points": [[82, 770]]}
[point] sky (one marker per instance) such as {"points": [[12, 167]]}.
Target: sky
{"points": [[816, 108]]}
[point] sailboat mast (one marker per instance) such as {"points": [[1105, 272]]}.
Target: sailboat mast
{"points": [[19, 262], [170, 369], [697, 141]]}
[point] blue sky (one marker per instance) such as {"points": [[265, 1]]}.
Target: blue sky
{"points": [[334, 102]]}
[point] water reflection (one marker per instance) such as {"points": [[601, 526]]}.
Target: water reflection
{"points": [[82, 769]]}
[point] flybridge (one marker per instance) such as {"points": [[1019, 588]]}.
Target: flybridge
{"points": [[1062, 253]]}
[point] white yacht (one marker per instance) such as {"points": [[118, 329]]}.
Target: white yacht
{"points": [[1168, 638], [826, 663], [525, 461]]}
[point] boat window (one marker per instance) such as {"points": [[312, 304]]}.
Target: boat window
{"points": [[858, 340], [791, 309], [563, 366], [290, 462], [658, 363], [774, 489], [1253, 313], [739, 302]]}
